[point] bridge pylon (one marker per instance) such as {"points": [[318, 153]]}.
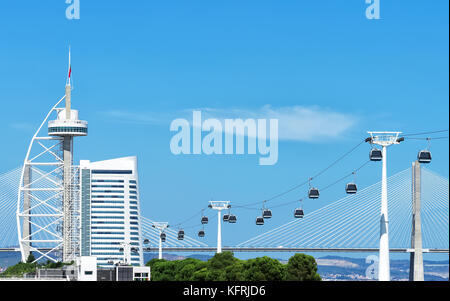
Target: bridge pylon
{"points": [[416, 257]]}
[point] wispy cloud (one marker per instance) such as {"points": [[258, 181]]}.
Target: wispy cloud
{"points": [[22, 126], [296, 123], [142, 118]]}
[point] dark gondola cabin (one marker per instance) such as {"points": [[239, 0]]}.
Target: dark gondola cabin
{"points": [[232, 219], [313, 193], [267, 213], [204, 220], [226, 217], [201, 233], [146, 241], [260, 221], [298, 213], [351, 188], [424, 156], [376, 154]]}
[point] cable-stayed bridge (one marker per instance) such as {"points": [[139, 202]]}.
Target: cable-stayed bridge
{"points": [[350, 224]]}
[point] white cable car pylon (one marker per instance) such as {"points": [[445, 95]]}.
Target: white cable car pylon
{"points": [[160, 226], [219, 206], [384, 139]]}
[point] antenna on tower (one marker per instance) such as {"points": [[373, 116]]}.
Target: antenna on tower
{"points": [[68, 91], [69, 72]]}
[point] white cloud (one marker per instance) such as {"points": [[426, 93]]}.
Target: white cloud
{"points": [[296, 123], [22, 126], [129, 117]]}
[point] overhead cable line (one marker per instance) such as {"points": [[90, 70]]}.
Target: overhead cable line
{"points": [[309, 179], [424, 133]]}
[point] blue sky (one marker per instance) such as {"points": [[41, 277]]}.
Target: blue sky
{"points": [[137, 66]]}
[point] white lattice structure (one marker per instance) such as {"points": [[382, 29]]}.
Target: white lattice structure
{"points": [[48, 202]]}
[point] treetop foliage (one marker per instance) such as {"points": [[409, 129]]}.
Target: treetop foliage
{"points": [[225, 267]]}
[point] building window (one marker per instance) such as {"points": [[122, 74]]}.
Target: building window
{"points": [[107, 181], [107, 191], [116, 172]]}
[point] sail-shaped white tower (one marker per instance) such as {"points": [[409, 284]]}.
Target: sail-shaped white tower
{"points": [[48, 206]]}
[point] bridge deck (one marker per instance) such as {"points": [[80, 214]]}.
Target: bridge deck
{"points": [[289, 250]]}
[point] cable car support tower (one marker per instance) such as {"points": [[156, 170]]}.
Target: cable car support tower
{"points": [[384, 139], [219, 206]]}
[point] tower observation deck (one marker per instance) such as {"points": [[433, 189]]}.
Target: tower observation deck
{"points": [[67, 127]]}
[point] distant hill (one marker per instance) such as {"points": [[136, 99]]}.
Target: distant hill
{"points": [[346, 268], [203, 257], [8, 259]]}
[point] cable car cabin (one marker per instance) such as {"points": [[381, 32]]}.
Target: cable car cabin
{"points": [[180, 236], [298, 213], [163, 235], [181, 232], [424, 156], [313, 193], [146, 241], [376, 155], [267, 213], [204, 220], [163, 239], [201, 233], [351, 188], [226, 217], [232, 219], [260, 221]]}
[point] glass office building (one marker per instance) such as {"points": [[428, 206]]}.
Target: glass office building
{"points": [[110, 211]]}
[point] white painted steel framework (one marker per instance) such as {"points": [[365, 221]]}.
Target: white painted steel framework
{"points": [[39, 203], [48, 201]]}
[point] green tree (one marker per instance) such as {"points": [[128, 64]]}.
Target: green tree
{"points": [[302, 267], [216, 267], [200, 275], [225, 267], [163, 270], [19, 269], [186, 268], [31, 258], [236, 271], [263, 269]]}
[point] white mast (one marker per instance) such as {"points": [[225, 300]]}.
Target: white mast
{"points": [[384, 139]]}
